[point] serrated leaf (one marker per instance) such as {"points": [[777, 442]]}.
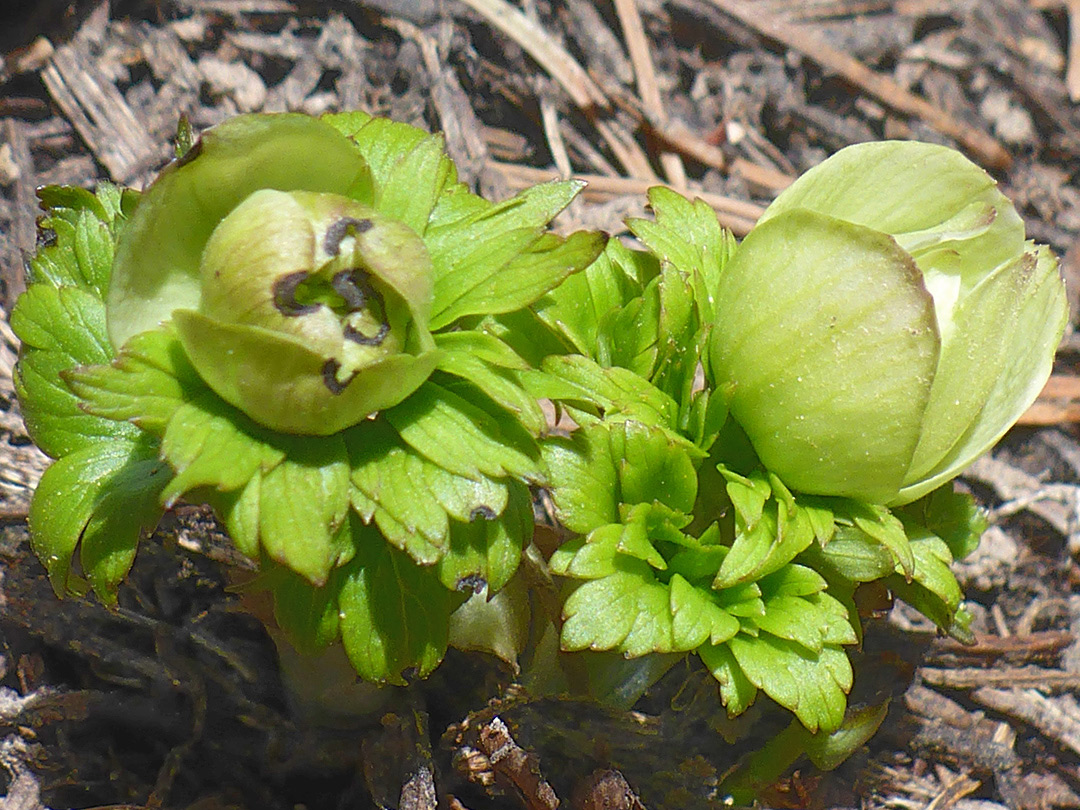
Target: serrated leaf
{"points": [[793, 619], [303, 502], [606, 392], [737, 693], [83, 225], [484, 553], [211, 444], [689, 236], [628, 610], [884, 527], [125, 507], [583, 479], [68, 495], [145, 384], [60, 329], [776, 539], [696, 618], [953, 516], [588, 558], [852, 555], [395, 479], [491, 366], [813, 686], [525, 278], [468, 255], [239, 510], [307, 613], [654, 465], [394, 614], [792, 580], [576, 308], [628, 337], [463, 438]]}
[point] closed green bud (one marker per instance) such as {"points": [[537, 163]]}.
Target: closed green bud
{"points": [[885, 323]]}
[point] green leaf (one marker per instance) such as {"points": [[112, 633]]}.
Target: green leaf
{"points": [[583, 479], [852, 555], [396, 154], [60, 330], [491, 366], [84, 226], [736, 690], [953, 516], [463, 438], [145, 385], [881, 525], [654, 465], [782, 532], [484, 553], [628, 610], [697, 618], [813, 686], [307, 613], [469, 255], [605, 392], [210, 444], [688, 235], [400, 485], [394, 614], [125, 507], [93, 483], [576, 308], [303, 502]]}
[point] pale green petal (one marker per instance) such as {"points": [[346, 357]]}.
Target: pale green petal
{"points": [[974, 355], [283, 385], [828, 343], [896, 187], [1032, 338], [157, 262]]}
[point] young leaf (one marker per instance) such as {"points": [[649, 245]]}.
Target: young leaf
{"points": [[394, 614], [303, 502], [463, 438], [628, 610], [80, 486], [60, 328], [210, 444], [145, 385], [736, 690]]}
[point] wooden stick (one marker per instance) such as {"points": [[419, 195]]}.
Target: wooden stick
{"points": [[980, 144]]}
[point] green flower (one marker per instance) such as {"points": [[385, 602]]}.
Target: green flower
{"points": [[885, 323], [299, 305]]}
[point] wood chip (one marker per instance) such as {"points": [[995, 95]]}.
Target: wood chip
{"points": [[111, 129]]}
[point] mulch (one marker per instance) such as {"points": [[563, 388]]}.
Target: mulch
{"points": [[173, 700]]}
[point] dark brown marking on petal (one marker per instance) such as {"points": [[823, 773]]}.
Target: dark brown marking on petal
{"points": [[190, 154], [485, 512], [356, 336], [351, 286], [336, 232], [285, 295], [329, 376]]}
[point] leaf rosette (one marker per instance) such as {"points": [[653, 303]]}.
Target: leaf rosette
{"points": [[884, 323], [292, 324]]}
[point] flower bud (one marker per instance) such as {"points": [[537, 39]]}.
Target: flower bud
{"points": [[313, 312], [885, 323], [296, 302]]}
